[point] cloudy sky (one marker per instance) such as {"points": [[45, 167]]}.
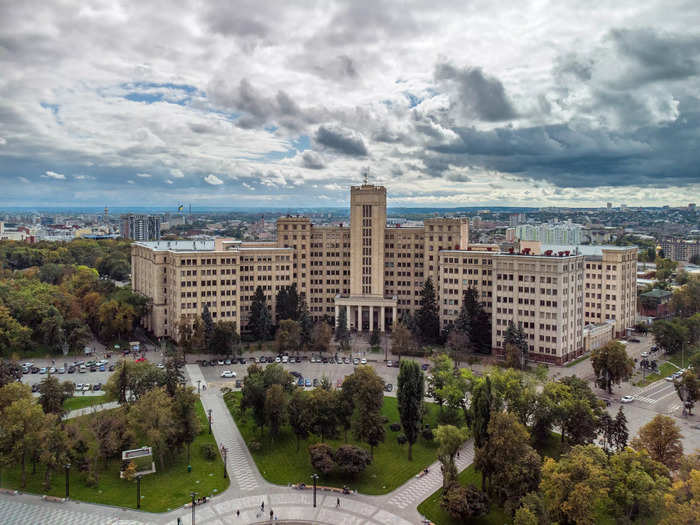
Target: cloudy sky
{"points": [[456, 103]]}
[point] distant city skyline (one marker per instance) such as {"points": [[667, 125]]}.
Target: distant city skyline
{"points": [[275, 104]]}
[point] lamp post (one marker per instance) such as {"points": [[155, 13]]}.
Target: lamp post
{"points": [[314, 477], [210, 420], [199, 381], [224, 450], [67, 467], [138, 492], [194, 504]]}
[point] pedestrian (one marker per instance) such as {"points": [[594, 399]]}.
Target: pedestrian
{"points": [[238, 513], [458, 454], [262, 506], [337, 503], [271, 514]]}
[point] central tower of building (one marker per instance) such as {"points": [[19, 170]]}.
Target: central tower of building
{"points": [[367, 225]]}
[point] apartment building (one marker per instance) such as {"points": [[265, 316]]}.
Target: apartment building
{"points": [[139, 227], [681, 250], [375, 272]]}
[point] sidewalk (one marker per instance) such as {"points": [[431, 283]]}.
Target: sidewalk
{"points": [[91, 409]]}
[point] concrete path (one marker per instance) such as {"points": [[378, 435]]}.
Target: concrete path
{"points": [[91, 409]]}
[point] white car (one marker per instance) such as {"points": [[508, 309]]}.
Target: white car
{"points": [[79, 387], [228, 373], [363, 361], [285, 359], [626, 399], [27, 365], [220, 362], [86, 387], [278, 359], [645, 354]]}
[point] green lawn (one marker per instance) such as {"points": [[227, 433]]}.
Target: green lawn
{"points": [[576, 361], [281, 463], [160, 492], [75, 403], [665, 370], [431, 509]]}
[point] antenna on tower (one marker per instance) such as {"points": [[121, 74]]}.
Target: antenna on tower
{"points": [[365, 175]]}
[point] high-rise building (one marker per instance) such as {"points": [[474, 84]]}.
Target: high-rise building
{"points": [[375, 273], [139, 227], [550, 233], [680, 249]]}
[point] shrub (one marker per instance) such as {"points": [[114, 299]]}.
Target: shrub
{"points": [[395, 427], [428, 434], [208, 451], [255, 446], [465, 502], [385, 420], [401, 439], [352, 459], [321, 456]]}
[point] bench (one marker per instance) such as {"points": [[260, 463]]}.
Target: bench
{"points": [[323, 488], [53, 499]]}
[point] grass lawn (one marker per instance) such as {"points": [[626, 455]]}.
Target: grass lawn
{"points": [[576, 361], [666, 369], [74, 403], [431, 509], [160, 492], [281, 463]]}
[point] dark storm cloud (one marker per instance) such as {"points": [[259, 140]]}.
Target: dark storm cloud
{"points": [[341, 140], [476, 94]]}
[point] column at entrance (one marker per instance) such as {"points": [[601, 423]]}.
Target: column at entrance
{"points": [[371, 318], [337, 315], [394, 320], [359, 318], [382, 313], [347, 317]]}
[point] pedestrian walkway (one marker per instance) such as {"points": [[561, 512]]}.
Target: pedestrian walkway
{"points": [[413, 492], [91, 409]]}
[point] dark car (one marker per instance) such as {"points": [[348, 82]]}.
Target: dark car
{"points": [[425, 366], [239, 383], [34, 370], [35, 387], [388, 387], [295, 373], [96, 387], [324, 360], [93, 368], [71, 369], [212, 362], [634, 340], [111, 367], [300, 381], [241, 361], [315, 382]]}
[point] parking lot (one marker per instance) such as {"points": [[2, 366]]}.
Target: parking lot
{"points": [[76, 377]]}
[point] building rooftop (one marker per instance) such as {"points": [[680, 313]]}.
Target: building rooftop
{"points": [[656, 293], [585, 249], [178, 246]]}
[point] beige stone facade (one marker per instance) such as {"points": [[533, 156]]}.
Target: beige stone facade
{"points": [[376, 273]]}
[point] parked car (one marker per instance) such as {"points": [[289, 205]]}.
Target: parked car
{"points": [[52, 370], [262, 359], [241, 361], [102, 368], [82, 369], [295, 373], [228, 373], [61, 370], [634, 340], [43, 370], [79, 387], [626, 399], [356, 361], [315, 382], [300, 381], [27, 365], [388, 387], [34, 370], [250, 360], [227, 362], [97, 387], [645, 354], [363, 361], [669, 378], [35, 387], [346, 360], [86, 387], [389, 364], [71, 369], [111, 367], [285, 359], [307, 382], [141, 360], [424, 366]]}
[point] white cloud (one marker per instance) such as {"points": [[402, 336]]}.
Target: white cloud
{"points": [[248, 186], [177, 173], [83, 177], [169, 181], [144, 175], [130, 182], [54, 175], [25, 180], [213, 180], [3, 141]]}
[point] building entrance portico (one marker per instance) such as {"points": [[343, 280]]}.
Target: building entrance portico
{"points": [[367, 312]]}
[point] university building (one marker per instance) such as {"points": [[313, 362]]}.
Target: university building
{"points": [[375, 273]]}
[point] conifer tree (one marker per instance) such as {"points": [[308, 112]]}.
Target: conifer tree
{"points": [[260, 320], [427, 319]]}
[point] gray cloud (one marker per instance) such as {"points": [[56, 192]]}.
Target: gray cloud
{"points": [[312, 161], [341, 140], [476, 95]]}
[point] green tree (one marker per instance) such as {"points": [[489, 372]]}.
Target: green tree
{"points": [[670, 335], [682, 502], [342, 335], [576, 486], [458, 342], [151, 421], [375, 337], [464, 503], [515, 337], [11, 392], [688, 390], [260, 320], [481, 410], [611, 365], [287, 304], [579, 412], [225, 338], [410, 401], [22, 425], [10, 372], [300, 416], [509, 464], [197, 340], [52, 394], [306, 323], [685, 301], [474, 321], [254, 394], [321, 457], [173, 378], [275, 409], [351, 459], [13, 336], [323, 409], [449, 439], [427, 318], [185, 417], [661, 438], [208, 323], [53, 446], [368, 424], [402, 340], [288, 337], [321, 336]]}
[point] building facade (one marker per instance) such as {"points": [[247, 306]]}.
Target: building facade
{"points": [[139, 227], [680, 250], [375, 273]]}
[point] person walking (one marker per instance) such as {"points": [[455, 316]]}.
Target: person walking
{"points": [[262, 506], [238, 513], [337, 503], [272, 514]]}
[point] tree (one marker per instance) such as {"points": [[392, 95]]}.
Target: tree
{"points": [[427, 318], [410, 401], [253, 394], [323, 409], [197, 340], [375, 337], [474, 321], [611, 365], [515, 338], [402, 340], [260, 320], [342, 335], [464, 503], [321, 456], [22, 425], [481, 410], [509, 464], [185, 417], [52, 394], [346, 404], [299, 413], [288, 337], [275, 409], [579, 412], [53, 447], [458, 341], [10, 372], [321, 336], [685, 301], [661, 437], [682, 503], [151, 421], [637, 485], [620, 434], [306, 323], [351, 459], [449, 439], [368, 425], [173, 378], [287, 303], [12, 392], [574, 487], [688, 390], [14, 337], [669, 335], [208, 323], [224, 339]]}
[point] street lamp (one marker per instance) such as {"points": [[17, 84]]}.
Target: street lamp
{"points": [[314, 477], [138, 492], [194, 504], [67, 467], [224, 450], [198, 384], [210, 420]]}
